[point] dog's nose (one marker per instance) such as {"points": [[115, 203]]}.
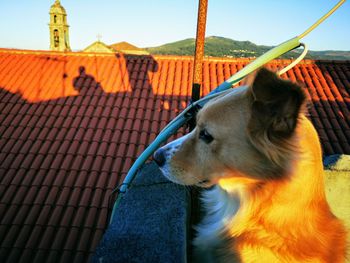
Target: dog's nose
{"points": [[159, 157]]}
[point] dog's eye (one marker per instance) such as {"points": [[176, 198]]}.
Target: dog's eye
{"points": [[205, 136]]}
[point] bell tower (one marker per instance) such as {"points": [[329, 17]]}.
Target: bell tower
{"points": [[59, 35]]}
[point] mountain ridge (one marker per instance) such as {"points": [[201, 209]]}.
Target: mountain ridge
{"points": [[217, 46]]}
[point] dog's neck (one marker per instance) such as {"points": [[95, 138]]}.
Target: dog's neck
{"points": [[220, 207]]}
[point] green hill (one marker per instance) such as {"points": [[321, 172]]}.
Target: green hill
{"points": [[181, 48], [225, 47]]}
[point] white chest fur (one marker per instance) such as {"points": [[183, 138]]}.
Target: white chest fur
{"points": [[220, 209]]}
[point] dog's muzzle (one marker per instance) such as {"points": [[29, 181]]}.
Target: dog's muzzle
{"points": [[163, 158], [164, 154], [159, 157]]}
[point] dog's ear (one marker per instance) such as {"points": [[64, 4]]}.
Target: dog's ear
{"points": [[276, 104]]}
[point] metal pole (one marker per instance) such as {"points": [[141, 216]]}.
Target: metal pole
{"points": [[199, 52], [196, 94]]}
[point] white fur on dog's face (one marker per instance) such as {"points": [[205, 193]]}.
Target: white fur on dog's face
{"points": [[169, 150], [192, 160]]}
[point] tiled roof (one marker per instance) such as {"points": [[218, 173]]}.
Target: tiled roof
{"points": [[71, 124]]}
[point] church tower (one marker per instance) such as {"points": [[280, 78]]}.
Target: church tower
{"points": [[59, 35]]}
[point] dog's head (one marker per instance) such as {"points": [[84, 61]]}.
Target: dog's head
{"points": [[248, 132]]}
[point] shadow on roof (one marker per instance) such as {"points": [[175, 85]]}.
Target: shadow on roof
{"points": [[63, 151]]}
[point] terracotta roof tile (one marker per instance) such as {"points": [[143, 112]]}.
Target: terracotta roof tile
{"points": [[67, 141], [80, 179], [59, 238]]}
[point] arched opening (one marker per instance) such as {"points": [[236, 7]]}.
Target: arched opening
{"points": [[55, 18], [56, 38]]}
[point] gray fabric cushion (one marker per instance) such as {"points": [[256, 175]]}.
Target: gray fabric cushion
{"points": [[150, 223]]}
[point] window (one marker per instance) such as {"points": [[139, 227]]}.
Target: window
{"points": [[56, 38]]}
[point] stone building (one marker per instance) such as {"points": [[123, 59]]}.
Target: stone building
{"points": [[59, 34], [121, 47], [99, 47]]}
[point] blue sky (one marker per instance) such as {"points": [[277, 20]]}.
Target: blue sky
{"points": [[24, 23]]}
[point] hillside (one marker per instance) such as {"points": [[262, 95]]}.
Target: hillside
{"points": [[225, 47]]}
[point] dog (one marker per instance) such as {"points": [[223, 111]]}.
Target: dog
{"points": [[260, 161]]}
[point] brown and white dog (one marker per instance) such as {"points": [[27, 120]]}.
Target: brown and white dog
{"points": [[261, 160]]}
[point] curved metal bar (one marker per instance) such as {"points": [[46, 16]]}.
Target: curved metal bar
{"points": [[295, 62]]}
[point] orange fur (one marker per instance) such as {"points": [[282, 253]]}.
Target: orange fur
{"points": [[289, 220]]}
